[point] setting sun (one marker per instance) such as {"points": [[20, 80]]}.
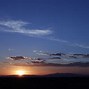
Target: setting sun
{"points": [[20, 72]]}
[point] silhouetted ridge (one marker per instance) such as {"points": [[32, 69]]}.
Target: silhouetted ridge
{"points": [[48, 75]]}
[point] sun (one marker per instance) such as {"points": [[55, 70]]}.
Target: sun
{"points": [[20, 72]]}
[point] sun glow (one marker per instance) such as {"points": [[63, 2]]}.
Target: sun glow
{"points": [[21, 72]]}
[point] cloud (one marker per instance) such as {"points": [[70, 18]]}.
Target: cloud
{"points": [[13, 24], [58, 40], [10, 49], [19, 27], [34, 51], [68, 43], [81, 46], [42, 54], [39, 52]]}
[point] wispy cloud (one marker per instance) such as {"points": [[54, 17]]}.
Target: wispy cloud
{"points": [[10, 49], [68, 43], [58, 40], [81, 46], [40, 52], [19, 27]]}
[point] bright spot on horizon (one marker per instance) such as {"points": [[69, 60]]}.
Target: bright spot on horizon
{"points": [[21, 72]]}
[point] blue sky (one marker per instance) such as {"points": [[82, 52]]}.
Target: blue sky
{"points": [[43, 25]]}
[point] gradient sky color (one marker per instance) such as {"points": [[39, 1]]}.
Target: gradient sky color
{"points": [[49, 26]]}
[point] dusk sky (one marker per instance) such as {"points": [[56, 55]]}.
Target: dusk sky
{"points": [[44, 25], [28, 27]]}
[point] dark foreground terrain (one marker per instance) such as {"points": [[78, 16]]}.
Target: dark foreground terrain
{"points": [[55, 81]]}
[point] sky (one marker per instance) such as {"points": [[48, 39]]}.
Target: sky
{"points": [[43, 25], [32, 27]]}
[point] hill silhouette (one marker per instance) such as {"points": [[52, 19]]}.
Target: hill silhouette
{"points": [[48, 75]]}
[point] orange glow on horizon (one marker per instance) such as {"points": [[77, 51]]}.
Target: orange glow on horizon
{"points": [[21, 72], [40, 70]]}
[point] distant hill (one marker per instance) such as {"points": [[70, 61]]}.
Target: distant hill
{"points": [[64, 75], [48, 75]]}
